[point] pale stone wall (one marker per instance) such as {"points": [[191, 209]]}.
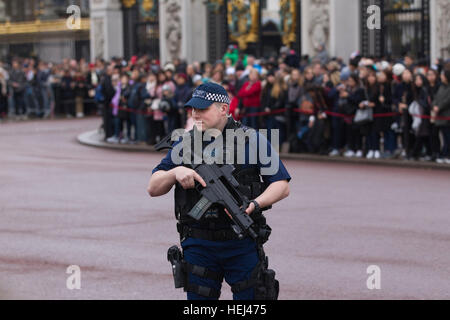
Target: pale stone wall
{"points": [[106, 32]]}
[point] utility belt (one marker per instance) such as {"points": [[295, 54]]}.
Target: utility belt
{"points": [[187, 231], [262, 279], [207, 229]]}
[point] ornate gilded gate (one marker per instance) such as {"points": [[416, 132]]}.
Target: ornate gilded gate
{"points": [[240, 22], [141, 28], [405, 28]]}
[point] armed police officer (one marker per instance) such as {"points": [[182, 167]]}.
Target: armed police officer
{"points": [[212, 248]]}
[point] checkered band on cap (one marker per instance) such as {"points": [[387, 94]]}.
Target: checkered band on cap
{"points": [[214, 97]]}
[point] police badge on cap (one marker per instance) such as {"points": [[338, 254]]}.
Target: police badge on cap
{"points": [[206, 94]]}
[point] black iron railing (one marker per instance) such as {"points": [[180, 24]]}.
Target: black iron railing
{"points": [[405, 29]]}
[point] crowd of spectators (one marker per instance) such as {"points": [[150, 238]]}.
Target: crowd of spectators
{"points": [[363, 107], [37, 89]]}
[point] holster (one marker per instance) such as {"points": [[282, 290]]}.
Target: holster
{"points": [[267, 287], [262, 280], [175, 257], [181, 268]]}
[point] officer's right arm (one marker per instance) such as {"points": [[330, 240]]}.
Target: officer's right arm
{"points": [[162, 181]]}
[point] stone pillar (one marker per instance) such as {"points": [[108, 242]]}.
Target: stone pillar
{"points": [[106, 29], [315, 25], [345, 25], [439, 29], [183, 34], [197, 48]]}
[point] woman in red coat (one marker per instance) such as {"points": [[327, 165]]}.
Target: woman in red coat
{"points": [[234, 111], [250, 96]]}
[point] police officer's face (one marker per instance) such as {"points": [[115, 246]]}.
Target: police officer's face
{"points": [[208, 118]]}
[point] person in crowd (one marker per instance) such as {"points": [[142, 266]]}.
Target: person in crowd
{"points": [[108, 92], [250, 93], [207, 72], [266, 102], [190, 73], [232, 54], [422, 130], [240, 78], [115, 105], [308, 75], [18, 81], [292, 59], [371, 130], [294, 93], [317, 122], [217, 77], [92, 81], [402, 98], [434, 82], [68, 94], [55, 90], [318, 72], [350, 96], [274, 98], [229, 67], [441, 109], [383, 124], [183, 93], [138, 101], [151, 86], [43, 84], [3, 96], [337, 122], [80, 93], [130, 95], [252, 64], [169, 70], [169, 106], [123, 115]]}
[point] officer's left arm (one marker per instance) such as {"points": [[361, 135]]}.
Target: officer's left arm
{"points": [[278, 181], [275, 192]]}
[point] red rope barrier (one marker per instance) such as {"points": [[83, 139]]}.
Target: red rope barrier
{"points": [[278, 111]]}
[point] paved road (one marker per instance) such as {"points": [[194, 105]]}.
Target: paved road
{"points": [[62, 203]]}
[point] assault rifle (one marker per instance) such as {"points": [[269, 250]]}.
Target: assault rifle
{"points": [[222, 188]]}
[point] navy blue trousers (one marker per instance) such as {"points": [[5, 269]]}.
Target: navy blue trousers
{"points": [[236, 259]]}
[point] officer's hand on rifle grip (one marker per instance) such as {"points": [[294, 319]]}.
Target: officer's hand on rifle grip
{"points": [[187, 177], [248, 211]]}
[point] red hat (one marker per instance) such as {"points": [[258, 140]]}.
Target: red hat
{"points": [[133, 59], [183, 75], [91, 66]]}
